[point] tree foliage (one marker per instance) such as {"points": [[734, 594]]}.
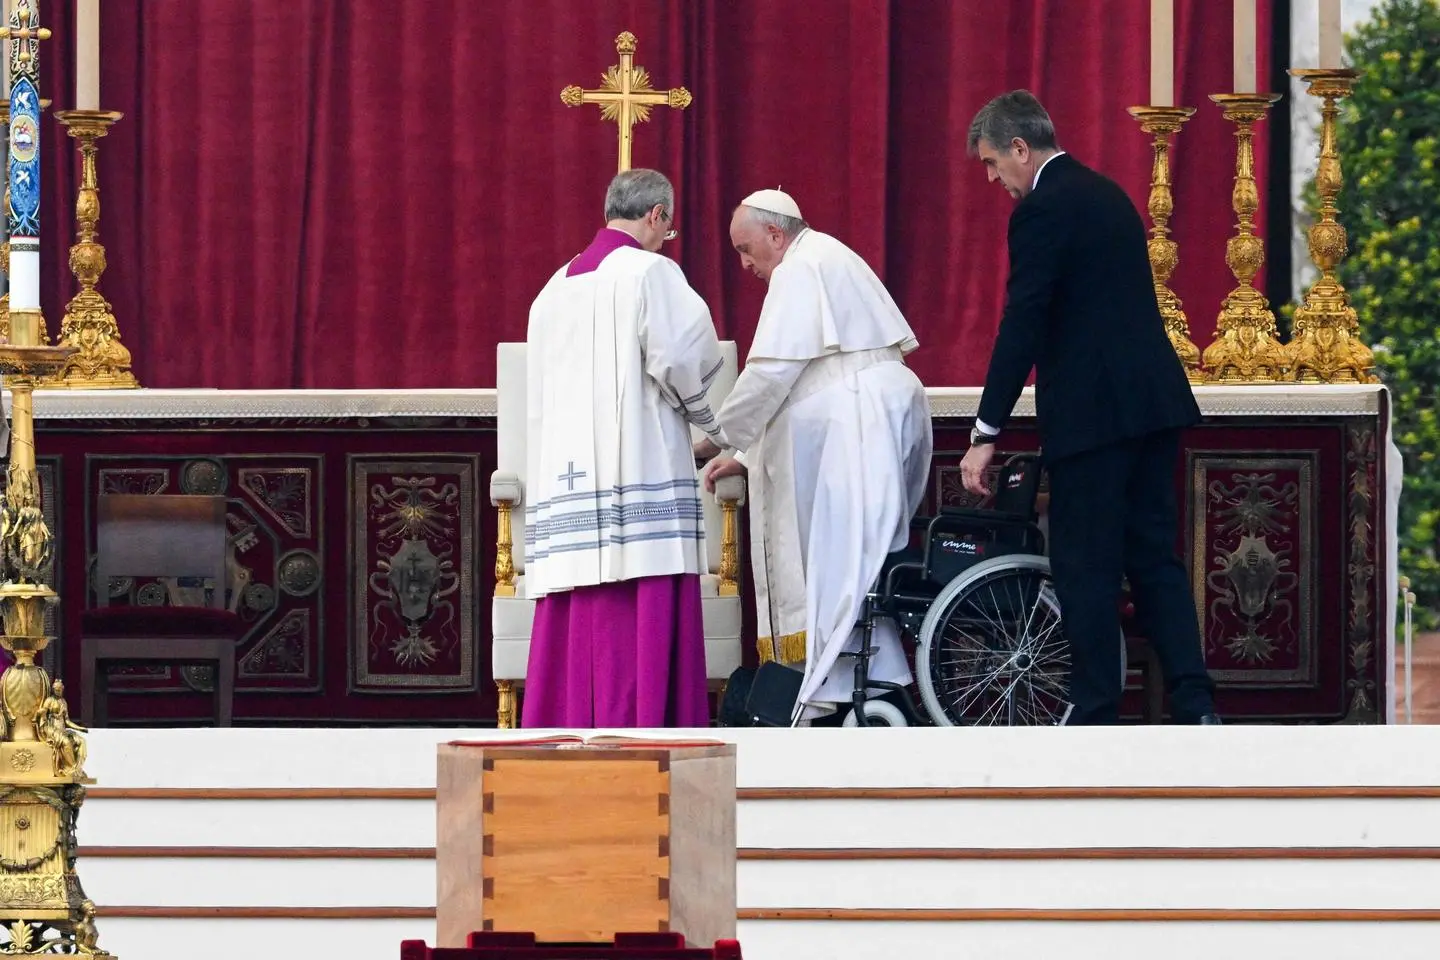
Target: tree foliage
{"points": [[1390, 207]]}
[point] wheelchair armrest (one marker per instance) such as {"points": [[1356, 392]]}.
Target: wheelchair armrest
{"points": [[915, 567]]}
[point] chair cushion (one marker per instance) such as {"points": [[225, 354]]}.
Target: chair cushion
{"points": [[138, 621]]}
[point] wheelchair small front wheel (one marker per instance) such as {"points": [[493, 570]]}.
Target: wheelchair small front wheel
{"points": [[878, 713]]}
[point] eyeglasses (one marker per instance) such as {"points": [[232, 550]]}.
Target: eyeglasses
{"points": [[672, 233]]}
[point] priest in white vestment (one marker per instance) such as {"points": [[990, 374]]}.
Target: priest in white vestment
{"points": [[620, 355], [834, 431]]}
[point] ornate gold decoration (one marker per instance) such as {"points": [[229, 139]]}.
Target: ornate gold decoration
{"points": [[504, 547], [1325, 346], [505, 704], [1254, 565], [1360, 569], [413, 572], [729, 549], [1246, 347], [1162, 123], [625, 95], [42, 753], [43, 909], [102, 361]]}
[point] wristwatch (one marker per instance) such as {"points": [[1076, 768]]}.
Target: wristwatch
{"points": [[977, 438]]}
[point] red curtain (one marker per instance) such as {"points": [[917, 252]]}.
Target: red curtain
{"points": [[315, 193]]}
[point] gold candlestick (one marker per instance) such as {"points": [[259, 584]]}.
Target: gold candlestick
{"points": [[1162, 123], [1246, 347], [1325, 345], [101, 360]]}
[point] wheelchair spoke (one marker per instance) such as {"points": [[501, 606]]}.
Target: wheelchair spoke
{"points": [[999, 656]]}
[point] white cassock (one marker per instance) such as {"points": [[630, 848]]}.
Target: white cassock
{"points": [[619, 362], [836, 434]]}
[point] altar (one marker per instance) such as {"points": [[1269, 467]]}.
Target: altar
{"points": [[1288, 493]]}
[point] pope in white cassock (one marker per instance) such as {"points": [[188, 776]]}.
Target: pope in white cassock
{"points": [[834, 431], [620, 355]]}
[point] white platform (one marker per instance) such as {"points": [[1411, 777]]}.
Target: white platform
{"points": [[1136, 842]]}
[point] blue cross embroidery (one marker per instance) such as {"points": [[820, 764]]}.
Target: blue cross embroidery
{"points": [[571, 476]]}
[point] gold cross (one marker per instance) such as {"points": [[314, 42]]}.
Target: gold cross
{"points": [[23, 38], [625, 95]]}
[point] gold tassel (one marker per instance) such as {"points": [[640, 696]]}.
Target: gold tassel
{"points": [[791, 648]]}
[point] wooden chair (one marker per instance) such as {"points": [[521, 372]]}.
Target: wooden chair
{"points": [[159, 536]]}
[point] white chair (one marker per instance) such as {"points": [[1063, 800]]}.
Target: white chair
{"points": [[512, 613]]}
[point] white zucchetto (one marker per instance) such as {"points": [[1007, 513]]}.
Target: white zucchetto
{"points": [[773, 201]]}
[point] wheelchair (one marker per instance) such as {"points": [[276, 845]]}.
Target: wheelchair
{"points": [[977, 599]]}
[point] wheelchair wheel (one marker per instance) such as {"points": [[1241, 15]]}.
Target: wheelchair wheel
{"points": [[879, 713], [991, 649]]}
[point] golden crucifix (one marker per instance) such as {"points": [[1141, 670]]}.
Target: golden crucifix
{"points": [[625, 95]]}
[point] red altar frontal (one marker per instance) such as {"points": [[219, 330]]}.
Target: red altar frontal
{"points": [[1288, 495]]}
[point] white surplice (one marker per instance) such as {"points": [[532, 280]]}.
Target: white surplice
{"points": [[619, 363], [836, 433]]}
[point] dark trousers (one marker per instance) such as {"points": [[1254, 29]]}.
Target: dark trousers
{"points": [[1113, 513]]}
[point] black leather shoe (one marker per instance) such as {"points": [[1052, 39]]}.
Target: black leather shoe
{"points": [[1211, 720]]}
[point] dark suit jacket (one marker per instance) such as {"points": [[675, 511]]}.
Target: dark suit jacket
{"points": [[1080, 309]]}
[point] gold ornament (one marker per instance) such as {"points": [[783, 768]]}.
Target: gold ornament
{"points": [[1162, 123], [1246, 348], [625, 95], [1325, 345], [101, 360]]}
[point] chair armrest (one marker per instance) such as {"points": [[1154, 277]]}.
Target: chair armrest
{"points": [[730, 490], [506, 488], [506, 492]]}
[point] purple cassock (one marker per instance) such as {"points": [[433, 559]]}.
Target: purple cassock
{"points": [[624, 654]]}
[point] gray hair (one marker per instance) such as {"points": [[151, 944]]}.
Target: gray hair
{"points": [[1011, 115], [789, 226], [634, 193]]}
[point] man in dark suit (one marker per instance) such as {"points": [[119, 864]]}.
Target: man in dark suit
{"points": [[1111, 398]]}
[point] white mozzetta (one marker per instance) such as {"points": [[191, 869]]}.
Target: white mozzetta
{"points": [[1276, 400]]}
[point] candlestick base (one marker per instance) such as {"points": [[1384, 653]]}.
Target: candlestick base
{"points": [[101, 361], [1162, 123], [1246, 348], [1325, 346]]}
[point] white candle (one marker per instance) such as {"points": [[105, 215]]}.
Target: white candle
{"points": [[1330, 34], [87, 54], [1162, 53], [1244, 46]]}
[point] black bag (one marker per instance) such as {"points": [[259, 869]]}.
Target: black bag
{"points": [[760, 698]]}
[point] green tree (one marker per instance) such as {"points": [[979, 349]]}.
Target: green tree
{"points": [[1390, 207]]}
